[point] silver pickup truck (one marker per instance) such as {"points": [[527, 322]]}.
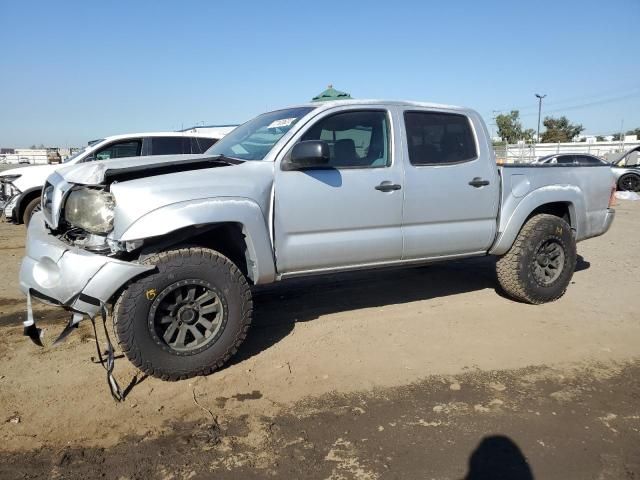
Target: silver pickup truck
{"points": [[175, 244]]}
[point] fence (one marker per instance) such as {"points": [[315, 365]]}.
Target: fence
{"points": [[525, 153]]}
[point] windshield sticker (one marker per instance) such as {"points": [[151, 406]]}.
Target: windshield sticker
{"points": [[283, 122]]}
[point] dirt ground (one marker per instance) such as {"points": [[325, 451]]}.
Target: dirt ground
{"points": [[424, 372]]}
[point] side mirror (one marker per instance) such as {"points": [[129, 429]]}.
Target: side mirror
{"points": [[308, 154]]}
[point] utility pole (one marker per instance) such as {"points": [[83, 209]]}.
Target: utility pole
{"points": [[540, 97], [494, 124]]}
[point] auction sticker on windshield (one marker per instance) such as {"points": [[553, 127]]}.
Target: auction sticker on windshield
{"points": [[283, 122]]}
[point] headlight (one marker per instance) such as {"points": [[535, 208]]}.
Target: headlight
{"points": [[90, 209]]}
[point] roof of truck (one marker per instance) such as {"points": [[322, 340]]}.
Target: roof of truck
{"points": [[403, 103]]}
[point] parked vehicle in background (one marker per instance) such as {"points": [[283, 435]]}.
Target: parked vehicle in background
{"points": [[53, 156], [313, 189], [626, 169], [578, 159], [24, 161], [20, 188]]}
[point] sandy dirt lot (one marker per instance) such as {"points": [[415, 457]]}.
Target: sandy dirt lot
{"points": [[425, 372]]}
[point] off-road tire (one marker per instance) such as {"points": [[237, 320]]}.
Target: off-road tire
{"points": [[29, 209], [131, 313], [515, 269]]}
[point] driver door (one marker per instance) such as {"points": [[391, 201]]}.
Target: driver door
{"points": [[350, 213]]}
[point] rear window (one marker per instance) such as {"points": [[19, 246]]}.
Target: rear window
{"points": [[435, 138]]}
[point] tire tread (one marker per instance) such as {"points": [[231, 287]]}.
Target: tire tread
{"points": [[508, 266], [122, 311]]}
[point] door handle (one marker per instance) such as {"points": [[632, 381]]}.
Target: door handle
{"points": [[387, 186], [478, 182]]}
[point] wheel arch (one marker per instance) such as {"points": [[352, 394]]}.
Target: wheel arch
{"points": [[25, 198], [565, 202], [235, 227]]}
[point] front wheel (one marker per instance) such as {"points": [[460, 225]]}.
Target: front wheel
{"points": [[32, 207], [187, 318], [539, 266]]}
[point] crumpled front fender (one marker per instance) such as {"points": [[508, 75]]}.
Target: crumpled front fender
{"points": [[243, 211]]}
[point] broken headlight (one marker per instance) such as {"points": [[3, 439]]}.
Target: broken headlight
{"points": [[90, 209]]}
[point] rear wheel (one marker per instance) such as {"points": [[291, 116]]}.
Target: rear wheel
{"points": [[32, 207], [541, 262], [629, 182], [188, 317]]}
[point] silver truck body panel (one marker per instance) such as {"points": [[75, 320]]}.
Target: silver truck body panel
{"points": [[93, 173], [443, 214], [586, 190], [207, 211], [343, 220]]}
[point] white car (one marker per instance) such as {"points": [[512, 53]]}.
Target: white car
{"points": [[20, 188]]}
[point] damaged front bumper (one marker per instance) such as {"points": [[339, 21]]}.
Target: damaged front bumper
{"points": [[59, 274]]}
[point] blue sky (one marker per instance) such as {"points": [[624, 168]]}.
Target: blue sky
{"points": [[76, 70]]}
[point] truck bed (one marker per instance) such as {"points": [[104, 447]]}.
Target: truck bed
{"points": [[584, 190]]}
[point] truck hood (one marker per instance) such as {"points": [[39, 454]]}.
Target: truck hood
{"points": [[100, 172], [250, 180]]}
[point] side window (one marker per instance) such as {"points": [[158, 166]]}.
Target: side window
{"points": [[435, 138], [201, 145], [565, 159], [170, 145], [587, 160], [128, 148], [356, 139]]}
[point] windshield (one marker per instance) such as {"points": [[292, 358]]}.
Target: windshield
{"points": [[76, 155], [254, 139]]}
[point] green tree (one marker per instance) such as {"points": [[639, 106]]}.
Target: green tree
{"points": [[559, 130], [600, 138], [529, 135], [616, 137], [634, 132], [509, 126]]}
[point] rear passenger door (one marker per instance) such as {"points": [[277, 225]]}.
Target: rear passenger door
{"points": [[451, 186]]}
